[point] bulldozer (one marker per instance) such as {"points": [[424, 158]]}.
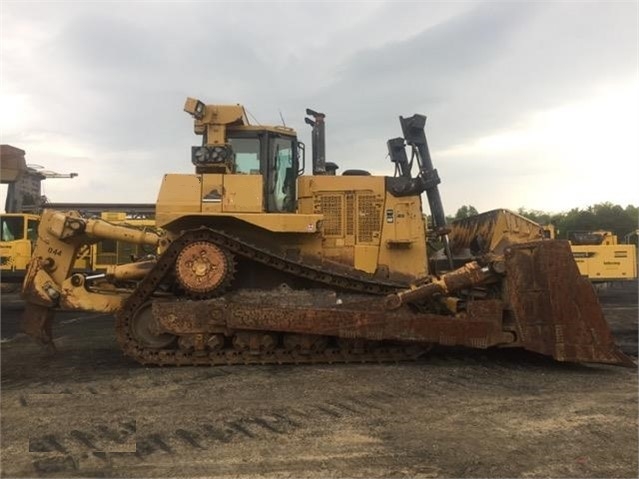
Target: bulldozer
{"points": [[259, 263]]}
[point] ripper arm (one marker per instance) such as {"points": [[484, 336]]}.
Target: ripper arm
{"points": [[50, 282]]}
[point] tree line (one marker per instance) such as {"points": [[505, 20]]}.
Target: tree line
{"points": [[623, 222]]}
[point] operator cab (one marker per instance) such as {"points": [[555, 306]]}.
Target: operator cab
{"points": [[273, 154], [232, 146]]}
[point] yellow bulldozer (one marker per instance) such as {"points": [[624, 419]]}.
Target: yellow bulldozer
{"points": [[259, 263]]}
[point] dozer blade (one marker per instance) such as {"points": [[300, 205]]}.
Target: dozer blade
{"points": [[36, 322], [557, 310]]}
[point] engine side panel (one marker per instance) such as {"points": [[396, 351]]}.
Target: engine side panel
{"points": [[365, 227]]}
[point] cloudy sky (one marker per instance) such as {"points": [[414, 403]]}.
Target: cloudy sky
{"points": [[530, 104]]}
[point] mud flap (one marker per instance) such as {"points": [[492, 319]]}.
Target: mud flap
{"points": [[36, 322], [556, 310]]}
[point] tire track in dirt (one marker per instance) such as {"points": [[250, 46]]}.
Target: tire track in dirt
{"points": [[68, 450]]}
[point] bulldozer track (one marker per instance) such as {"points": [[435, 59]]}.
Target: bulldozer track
{"points": [[165, 357]]}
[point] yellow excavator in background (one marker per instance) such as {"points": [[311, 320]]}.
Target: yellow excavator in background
{"points": [[260, 264], [599, 256]]}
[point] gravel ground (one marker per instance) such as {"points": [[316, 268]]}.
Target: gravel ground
{"points": [[88, 411]]}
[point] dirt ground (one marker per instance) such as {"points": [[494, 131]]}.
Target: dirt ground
{"points": [[88, 411]]}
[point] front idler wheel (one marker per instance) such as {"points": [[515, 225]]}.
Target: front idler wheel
{"points": [[143, 328]]}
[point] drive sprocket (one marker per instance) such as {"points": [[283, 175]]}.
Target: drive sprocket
{"points": [[204, 269]]}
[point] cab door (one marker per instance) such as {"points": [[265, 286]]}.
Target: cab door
{"points": [[281, 175]]}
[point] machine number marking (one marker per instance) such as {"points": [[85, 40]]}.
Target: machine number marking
{"points": [[54, 251]]}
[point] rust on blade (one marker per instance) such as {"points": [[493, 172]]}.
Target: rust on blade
{"points": [[556, 310]]}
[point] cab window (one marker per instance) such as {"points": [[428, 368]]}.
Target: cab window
{"points": [[247, 155], [12, 228]]}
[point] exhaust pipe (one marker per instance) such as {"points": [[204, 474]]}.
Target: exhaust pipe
{"points": [[319, 141]]}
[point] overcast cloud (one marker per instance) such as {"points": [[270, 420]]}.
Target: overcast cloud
{"points": [[531, 104]]}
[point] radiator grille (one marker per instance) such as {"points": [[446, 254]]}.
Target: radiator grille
{"points": [[350, 214], [331, 208], [106, 259], [369, 218]]}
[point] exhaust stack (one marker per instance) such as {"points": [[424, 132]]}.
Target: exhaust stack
{"points": [[319, 141]]}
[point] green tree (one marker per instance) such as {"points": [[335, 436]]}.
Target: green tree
{"points": [[465, 211], [541, 217], [602, 216]]}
